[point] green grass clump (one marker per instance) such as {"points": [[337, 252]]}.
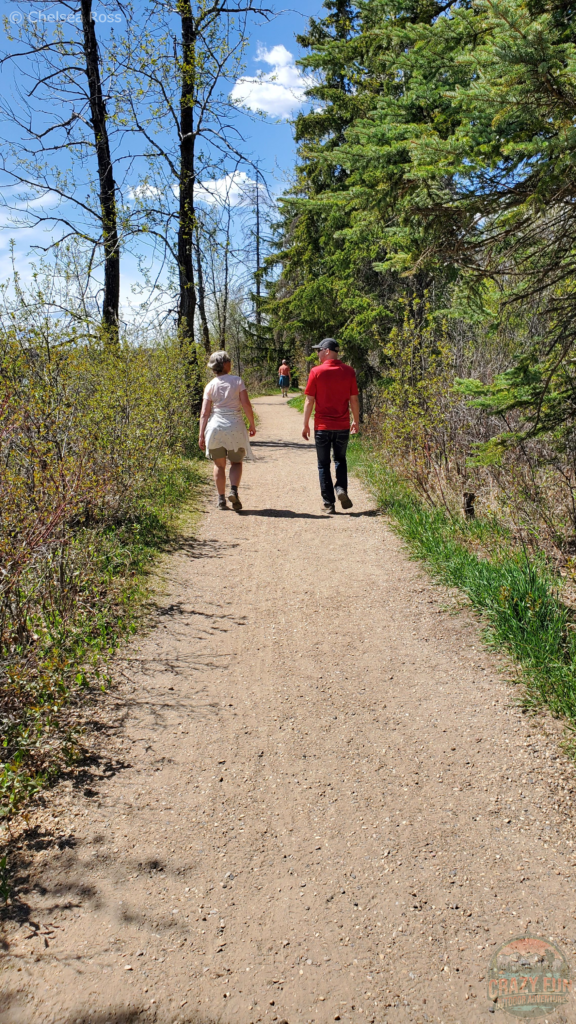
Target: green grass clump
{"points": [[517, 595], [297, 402]]}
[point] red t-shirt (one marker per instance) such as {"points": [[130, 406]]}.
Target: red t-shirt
{"points": [[332, 383]]}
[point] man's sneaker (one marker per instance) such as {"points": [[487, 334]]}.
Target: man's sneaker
{"points": [[234, 499], [343, 498], [222, 502], [328, 508]]}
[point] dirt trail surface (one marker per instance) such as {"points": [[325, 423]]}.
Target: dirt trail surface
{"points": [[320, 803]]}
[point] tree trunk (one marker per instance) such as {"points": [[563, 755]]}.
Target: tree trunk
{"points": [[111, 303], [224, 319], [202, 295], [258, 265], [187, 308]]}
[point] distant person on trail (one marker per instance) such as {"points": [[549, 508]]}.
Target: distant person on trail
{"points": [[284, 378], [223, 432], [333, 389]]}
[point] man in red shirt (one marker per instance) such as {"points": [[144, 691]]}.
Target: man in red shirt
{"points": [[332, 387]]}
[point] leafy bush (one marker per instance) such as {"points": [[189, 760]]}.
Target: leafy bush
{"points": [[93, 448]]}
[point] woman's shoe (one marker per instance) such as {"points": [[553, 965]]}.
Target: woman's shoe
{"points": [[234, 499], [222, 502]]}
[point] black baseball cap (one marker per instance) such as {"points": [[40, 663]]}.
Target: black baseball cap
{"points": [[327, 343]]}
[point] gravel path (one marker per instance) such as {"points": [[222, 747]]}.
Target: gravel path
{"points": [[319, 803]]}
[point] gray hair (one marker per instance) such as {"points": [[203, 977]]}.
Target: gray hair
{"points": [[218, 361]]}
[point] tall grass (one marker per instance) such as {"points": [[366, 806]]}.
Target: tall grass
{"points": [[519, 596]]}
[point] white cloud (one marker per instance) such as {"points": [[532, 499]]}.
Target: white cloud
{"points": [[279, 92], [236, 189], [45, 200], [278, 56], [144, 192], [14, 212]]}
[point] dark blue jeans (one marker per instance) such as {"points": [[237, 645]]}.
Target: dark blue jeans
{"points": [[335, 441]]}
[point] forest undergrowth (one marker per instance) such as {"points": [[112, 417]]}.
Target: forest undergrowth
{"points": [[98, 446], [518, 592]]}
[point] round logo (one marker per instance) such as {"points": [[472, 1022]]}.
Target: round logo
{"points": [[529, 977]]}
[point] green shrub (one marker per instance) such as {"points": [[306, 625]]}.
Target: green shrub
{"points": [[94, 449]]}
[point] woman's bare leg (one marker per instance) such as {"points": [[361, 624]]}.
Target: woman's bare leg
{"points": [[219, 471], [235, 474]]}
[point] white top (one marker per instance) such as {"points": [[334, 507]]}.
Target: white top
{"points": [[224, 393], [226, 427]]}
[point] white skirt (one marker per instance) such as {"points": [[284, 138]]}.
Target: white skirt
{"points": [[228, 430]]}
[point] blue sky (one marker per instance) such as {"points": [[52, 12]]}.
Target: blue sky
{"points": [[271, 84], [272, 53]]}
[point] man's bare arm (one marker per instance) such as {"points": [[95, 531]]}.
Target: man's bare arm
{"points": [[308, 407], [355, 407]]}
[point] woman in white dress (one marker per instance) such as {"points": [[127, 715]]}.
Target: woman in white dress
{"points": [[223, 432]]}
